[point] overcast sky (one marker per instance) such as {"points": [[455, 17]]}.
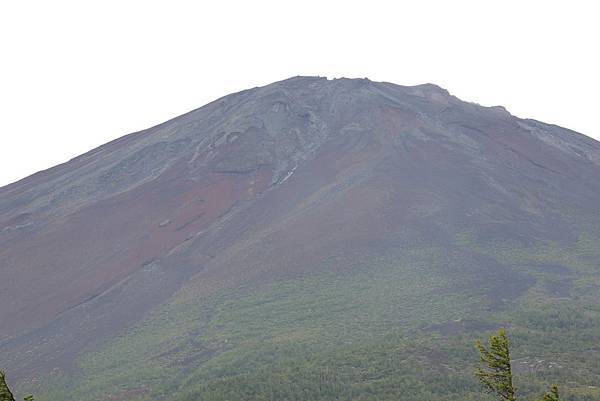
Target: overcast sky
{"points": [[76, 74]]}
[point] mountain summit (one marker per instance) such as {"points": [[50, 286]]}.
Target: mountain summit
{"points": [[303, 231]]}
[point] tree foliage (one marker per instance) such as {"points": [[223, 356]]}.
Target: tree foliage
{"points": [[496, 376], [5, 393], [552, 395]]}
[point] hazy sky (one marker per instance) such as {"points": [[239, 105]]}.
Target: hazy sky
{"points": [[76, 74]]}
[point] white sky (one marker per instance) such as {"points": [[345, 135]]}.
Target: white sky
{"points": [[76, 74]]}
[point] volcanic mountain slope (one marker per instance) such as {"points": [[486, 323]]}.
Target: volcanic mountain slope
{"points": [[293, 241]]}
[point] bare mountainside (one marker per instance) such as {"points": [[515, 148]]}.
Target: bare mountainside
{"points": [[322, 214]]}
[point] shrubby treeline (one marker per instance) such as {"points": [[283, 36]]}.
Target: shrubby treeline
{"points": [[495, 375]]}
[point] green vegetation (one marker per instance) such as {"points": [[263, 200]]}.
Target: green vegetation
{"points": [[396, 325], [497, 377], [5, 393], [552, 395]]}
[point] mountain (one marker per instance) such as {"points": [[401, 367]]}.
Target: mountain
{"points": [[310, 239]]}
